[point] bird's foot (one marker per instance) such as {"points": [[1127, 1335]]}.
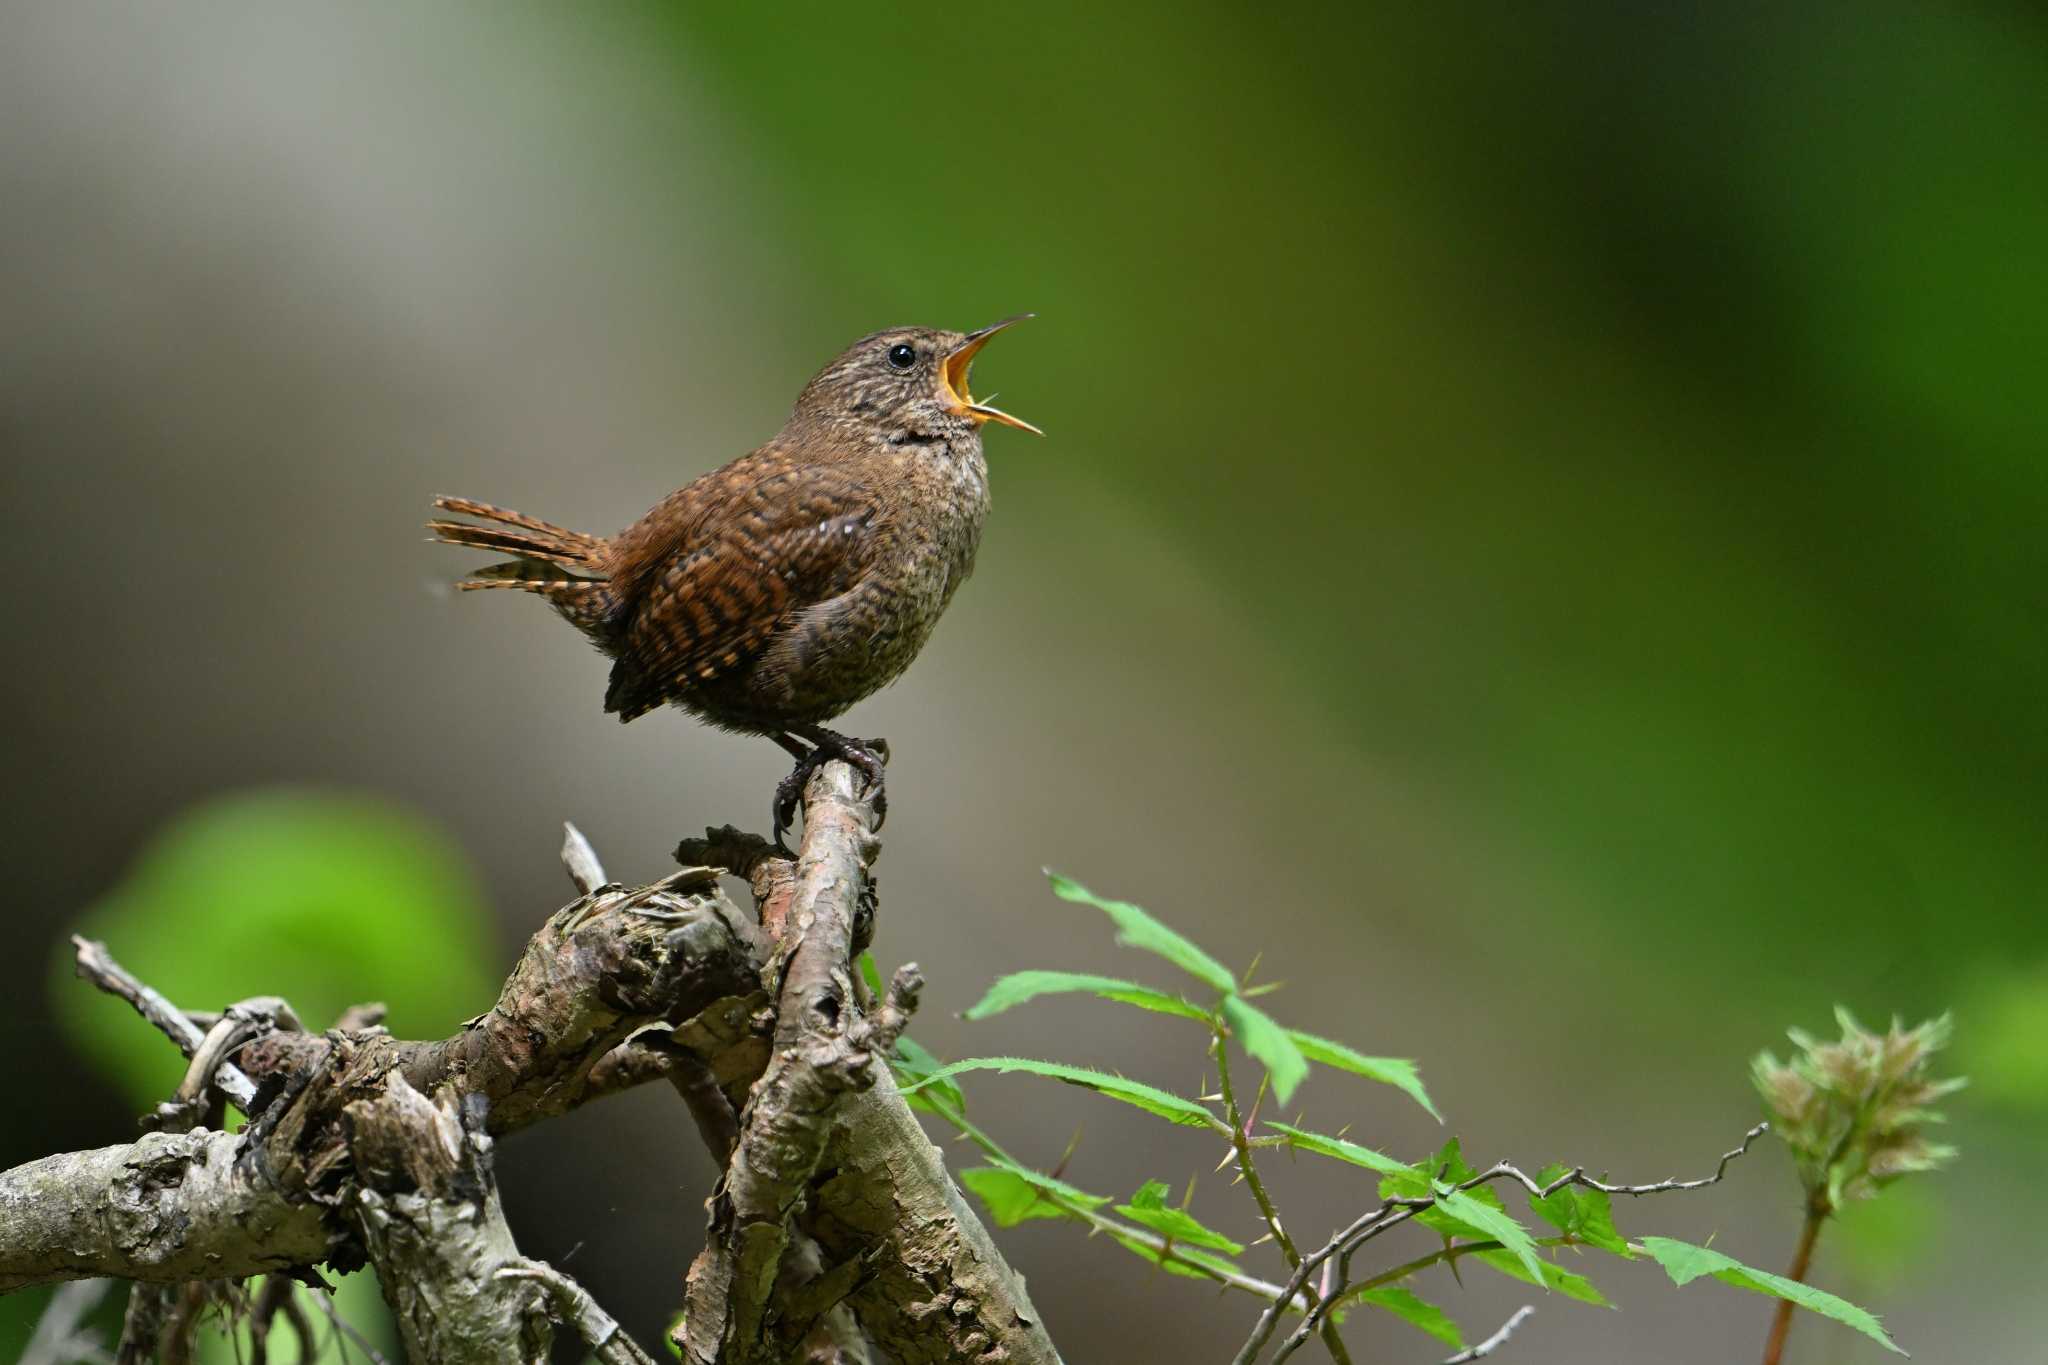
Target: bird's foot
{"points": [[867, 755]]}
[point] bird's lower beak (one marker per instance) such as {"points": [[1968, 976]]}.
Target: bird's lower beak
{"points": [[953, 374]]}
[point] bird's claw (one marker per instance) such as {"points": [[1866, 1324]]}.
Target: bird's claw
{"points": [[867, 756]]}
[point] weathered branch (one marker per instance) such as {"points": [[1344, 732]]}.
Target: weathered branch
{"points": [[165, 1208], [208, 1205], [836, 1213], [829, 1151], [820, 1055], [428, 1210]]}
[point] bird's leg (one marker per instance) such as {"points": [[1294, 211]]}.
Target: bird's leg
{"points": [[868, 755], [789, 792]]}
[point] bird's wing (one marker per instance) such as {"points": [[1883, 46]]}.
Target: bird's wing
{"points": [[753, 548]]}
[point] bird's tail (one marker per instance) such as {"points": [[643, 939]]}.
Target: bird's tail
{"points": [[566, 567]]}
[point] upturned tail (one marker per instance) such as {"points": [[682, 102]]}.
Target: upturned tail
{"points": [[568, 568]]}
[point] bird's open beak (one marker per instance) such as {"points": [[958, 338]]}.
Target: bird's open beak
{"points": [[953, 374]]}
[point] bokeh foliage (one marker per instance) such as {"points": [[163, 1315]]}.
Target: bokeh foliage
{"points": [[327, 900]]}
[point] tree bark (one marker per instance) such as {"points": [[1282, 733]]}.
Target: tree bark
{"points": [[835, 1216]]}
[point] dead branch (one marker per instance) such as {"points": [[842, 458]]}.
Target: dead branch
{"points": [[899, 1245], [835, 1214]]}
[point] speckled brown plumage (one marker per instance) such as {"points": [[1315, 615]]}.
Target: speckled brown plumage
{"points": [[772, 594]]}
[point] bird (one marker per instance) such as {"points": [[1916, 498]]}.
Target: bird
{"points": [[770, 595]]}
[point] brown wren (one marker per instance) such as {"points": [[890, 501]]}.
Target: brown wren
{"points": [[770, 595]]}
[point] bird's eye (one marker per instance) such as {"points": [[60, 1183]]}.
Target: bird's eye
{"points": [[902, 356]]}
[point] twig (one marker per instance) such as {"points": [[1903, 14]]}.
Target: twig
{"points": [[1393, 1212], [581, 861], [325, 1303], [60, 1337], [1494, 1342], [572, 1303], [97, 965], [1164, 1247]]}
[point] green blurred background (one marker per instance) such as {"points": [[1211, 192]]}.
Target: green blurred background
{"points": [[1544, 533]]}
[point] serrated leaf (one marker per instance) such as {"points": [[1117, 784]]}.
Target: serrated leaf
{"points": [[1684, 1263], [1015, 1194], [1149, 1098], [1554, 1277], [1580, 1213], [1395, 1071], [1215, 1266], [1137, 929], [1448, 1165], [1416, 1312], [1492, 1222], [1148, 1208], [1265, 1040], [1008, 1197], [871, 974], [1018, 987], [915, 1067], [1324, 1145]]}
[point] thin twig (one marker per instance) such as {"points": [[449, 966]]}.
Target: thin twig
{"points": [[325, 1303], [61, 1337], [97, 965], [1163, 1247], [1393, 1212], [1240, 1125], [581, 861], [1494, 1342], [607, 1340]]}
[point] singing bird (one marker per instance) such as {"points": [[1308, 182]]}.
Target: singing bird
{"points": [[770, 595]]}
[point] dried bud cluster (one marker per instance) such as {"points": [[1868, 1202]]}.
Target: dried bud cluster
{"points": [[1853, 1112]]}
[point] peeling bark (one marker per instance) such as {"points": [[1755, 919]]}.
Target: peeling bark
{"points": [[427, 1207], [835, 1215], [166, 1208]]}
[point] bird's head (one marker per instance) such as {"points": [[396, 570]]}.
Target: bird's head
{"points": [[906, 384]]}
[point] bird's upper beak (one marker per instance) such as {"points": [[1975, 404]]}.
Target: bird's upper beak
{"points": [[953, 374]]}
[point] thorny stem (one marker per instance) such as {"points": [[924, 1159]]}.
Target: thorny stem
{"points": [[1781, 1321], [1393, 1212], [1100, 1222], [1249, 1169]]}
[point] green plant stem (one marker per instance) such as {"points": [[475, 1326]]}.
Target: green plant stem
{"points": [[1240, 1143], [1781, 1322], [1099, 1222], [1448, 1254]]}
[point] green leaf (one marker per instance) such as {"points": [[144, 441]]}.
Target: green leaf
{"points": [[1395, 1071], [329, 900], [916, 1068], [1018, 987], [1137, 929], [1323, 1145], [1268, 1042], [1215, 1267], [1554, 1277], [1149, 1098], [1684, 1263], [1448, 1164], [1416, 1312], [1148, 1208], [1492, 1222], [1009, 1198], [1580, 1213], [1016, 1194], [871, 974]]}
